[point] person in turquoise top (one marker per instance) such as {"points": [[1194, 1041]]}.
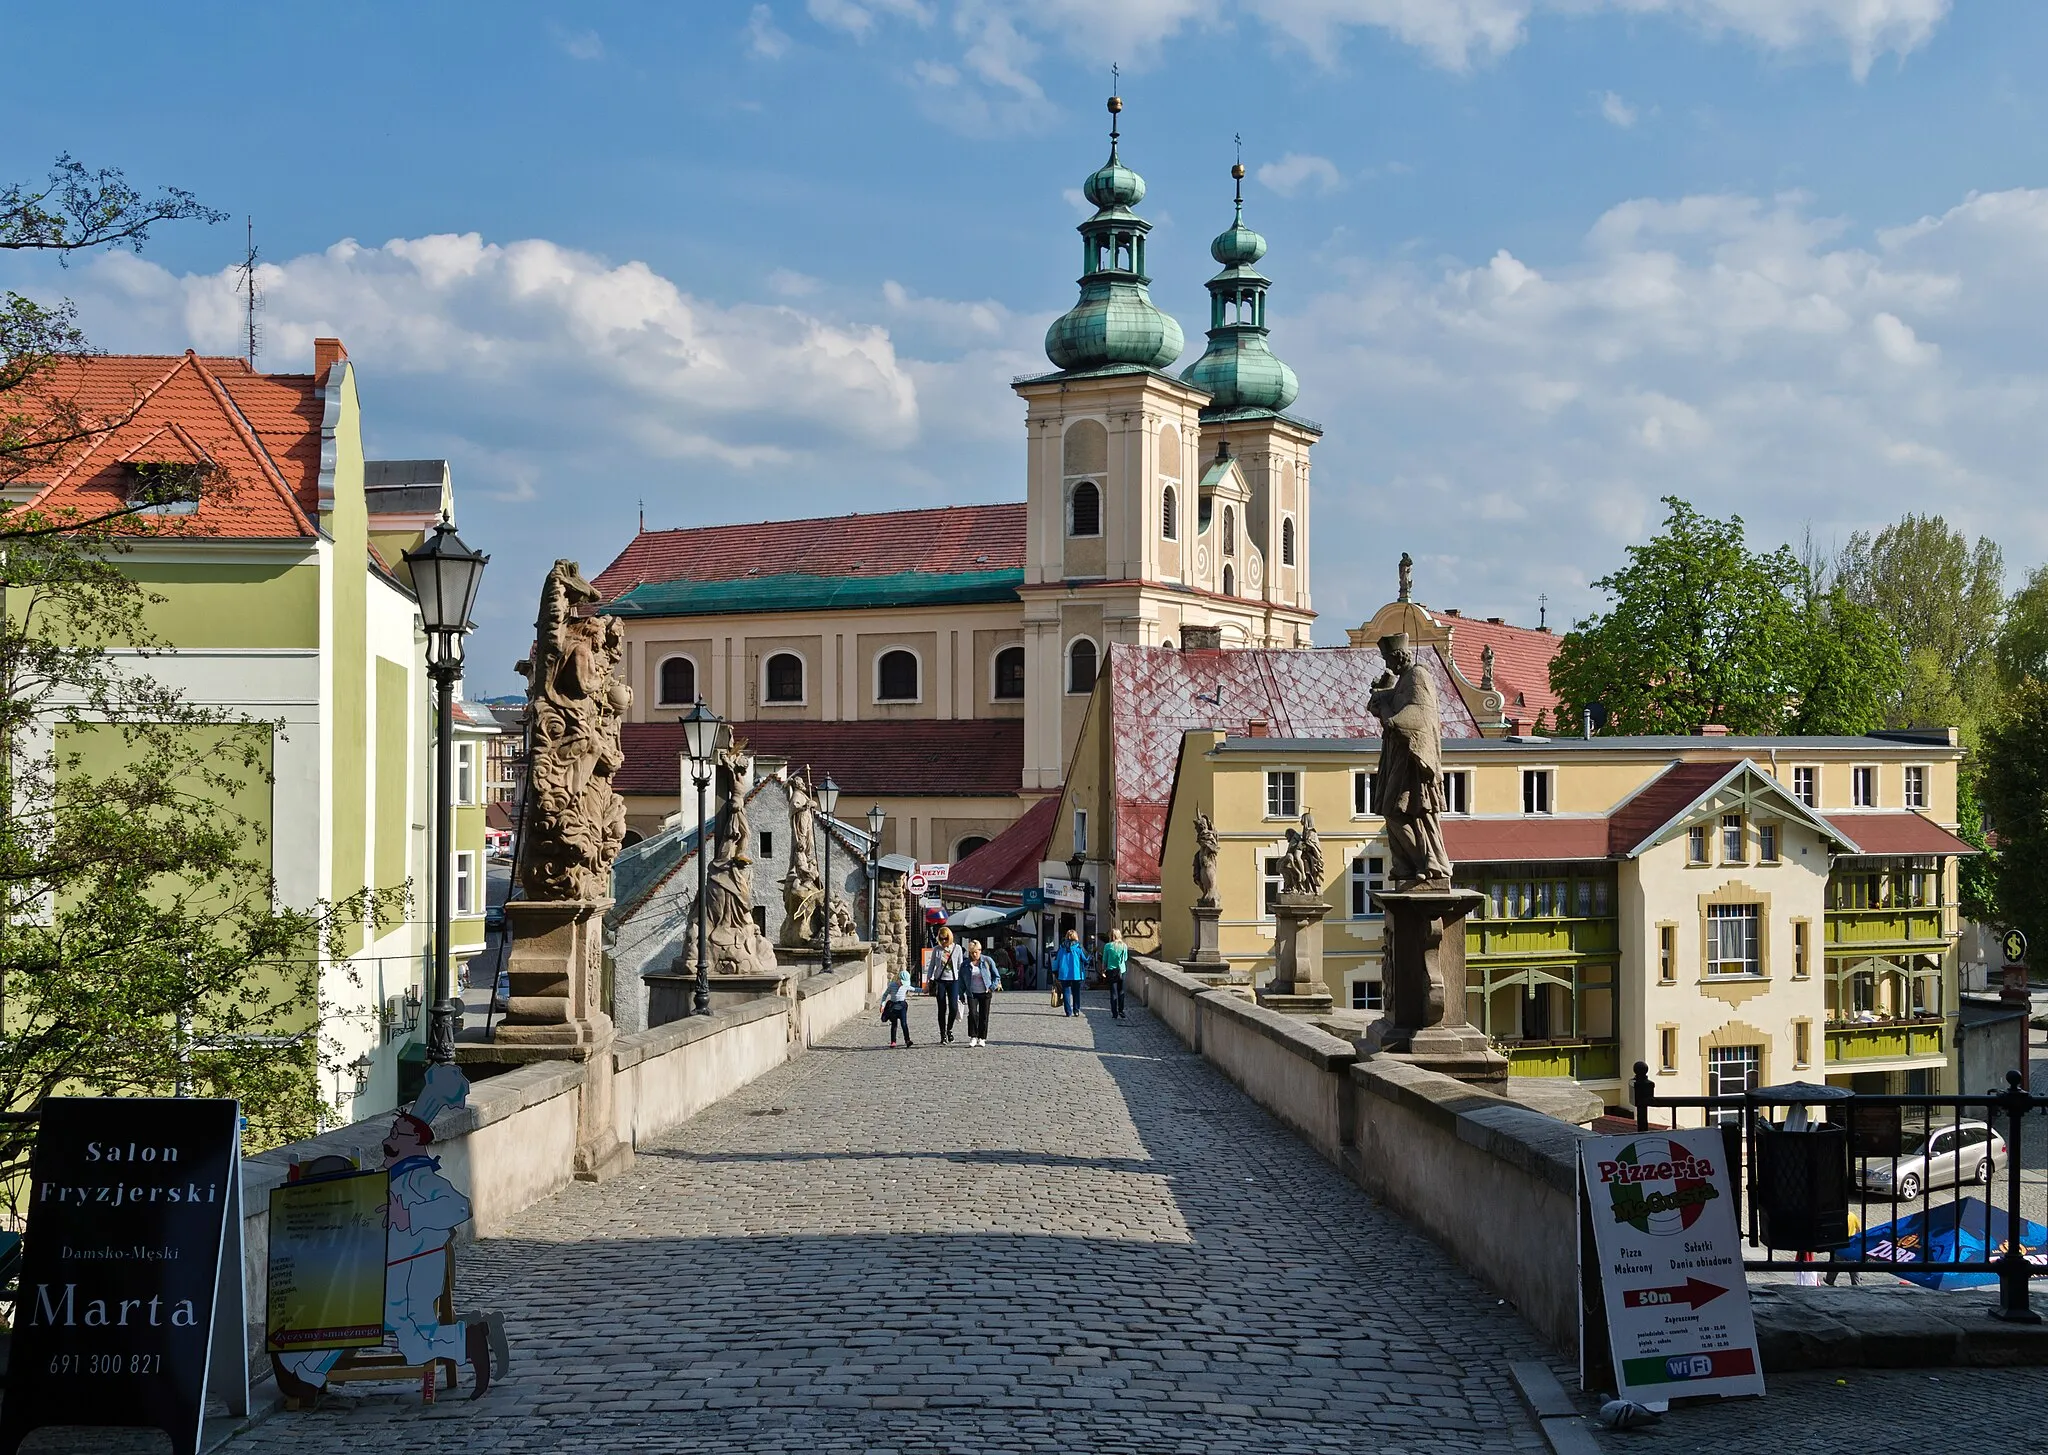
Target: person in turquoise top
{"points": [[1115, 956], [1070, 968]]}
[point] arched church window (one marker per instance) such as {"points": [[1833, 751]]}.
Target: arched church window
{"points": [[1087, 512], [1229, 582], [896, 677], [1081, 666], [1010, 674], [1229, 532], [1169, 515], [678, 687], [1287, 541], [784, 678]]}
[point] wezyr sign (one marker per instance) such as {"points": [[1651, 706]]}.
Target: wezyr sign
{"points": [[130, 1306], [1670, 1265]]}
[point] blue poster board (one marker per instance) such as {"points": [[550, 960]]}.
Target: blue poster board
{"points": [[1957, 1232]]}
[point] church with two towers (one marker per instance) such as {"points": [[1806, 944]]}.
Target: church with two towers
{"points": [[939, 662]]}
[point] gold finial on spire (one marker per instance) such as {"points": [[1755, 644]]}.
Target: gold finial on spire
{"points": [[1237, 168]]}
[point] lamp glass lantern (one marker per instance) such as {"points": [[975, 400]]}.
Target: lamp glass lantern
{"points": [[701, 733], [1075, 865], [445, 575], [876, 818], [828, 796]]}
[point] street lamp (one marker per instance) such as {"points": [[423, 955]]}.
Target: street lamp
{"points": [[445, 577], [701, 732], [828, 800], [876, 818], [1076, 862]]}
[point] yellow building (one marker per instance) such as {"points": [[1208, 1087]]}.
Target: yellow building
{"points": [[1729, 910]]}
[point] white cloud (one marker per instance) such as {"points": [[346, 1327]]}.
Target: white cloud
{"points": [[1741, 352], [858, 20], [583, 45], [765, 38], [1295, 171], [1617, 111]]}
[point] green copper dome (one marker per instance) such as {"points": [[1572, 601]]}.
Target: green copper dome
{"points": [[1115, 321], [1239, 368]]}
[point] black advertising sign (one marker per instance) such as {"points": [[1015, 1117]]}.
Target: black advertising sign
{"points": [[131, 1278]]}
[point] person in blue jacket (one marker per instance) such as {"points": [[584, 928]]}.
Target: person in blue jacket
{"points": [[1070, 967]]}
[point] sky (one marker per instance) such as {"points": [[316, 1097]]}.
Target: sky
{"points": [[1538, 263]]}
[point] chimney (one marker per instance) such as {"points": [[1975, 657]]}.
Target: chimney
{"points": [[1201, 638], [1451, 611], [326, 353], [1497, 621], [1256, 728], [1713, 730]]}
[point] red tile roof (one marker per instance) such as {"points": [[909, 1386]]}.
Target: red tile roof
{"points": [[1521, 660], [1156, 695], [1010, 860], [942, 541], [148, 408], [1899, 832], [972, 758], [1662, 799], [1504, 840]]}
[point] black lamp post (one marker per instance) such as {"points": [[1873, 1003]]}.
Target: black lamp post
{"points": [[1076, 862], [876, 818], [828, 799], [701, 732], [445, 577]]}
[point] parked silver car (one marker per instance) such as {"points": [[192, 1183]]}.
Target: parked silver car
{"points": [[1943, 1156]]}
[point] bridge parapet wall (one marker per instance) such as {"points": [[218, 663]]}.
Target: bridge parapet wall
{"points": [[1490, 1181]]}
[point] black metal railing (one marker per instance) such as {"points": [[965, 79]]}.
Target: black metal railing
{"points": [[1833, 1181]]}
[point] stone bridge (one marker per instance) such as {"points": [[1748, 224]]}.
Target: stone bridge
{"points": [[1081, 1238]]}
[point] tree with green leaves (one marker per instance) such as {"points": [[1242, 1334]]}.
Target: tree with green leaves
{"points": [[2022, 650], [2013, 777], [1943, 599], [1702, 629], [142, 948]]}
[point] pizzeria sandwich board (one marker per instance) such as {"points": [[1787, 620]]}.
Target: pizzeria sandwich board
{"points": [[1665, 1277]]}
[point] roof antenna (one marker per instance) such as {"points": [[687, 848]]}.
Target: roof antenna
{"points": [[251, 292], [643, 517]]}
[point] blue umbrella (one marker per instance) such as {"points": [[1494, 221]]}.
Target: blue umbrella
{"points": [[1962, 1231]]}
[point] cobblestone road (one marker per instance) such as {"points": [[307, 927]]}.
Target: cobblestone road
{"points": [[1080, 1238]]}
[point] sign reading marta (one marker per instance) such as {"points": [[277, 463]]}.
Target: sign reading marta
{"points": [[1676, 1299]]}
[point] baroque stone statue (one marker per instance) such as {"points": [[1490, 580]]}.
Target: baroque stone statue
{"points": [[804, 891], [1486, 668], [1207, 847], [1301, 870], [735, 943], [578, 703], [1411, 782], [1407, 576]]}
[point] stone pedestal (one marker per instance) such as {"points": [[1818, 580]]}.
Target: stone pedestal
{"points": [[1426, 1021], [1208, 950], [1297, 987], [556, 1011]]}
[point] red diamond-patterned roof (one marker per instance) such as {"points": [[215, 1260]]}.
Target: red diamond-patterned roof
{"points": [[1156, 695], [964, 758], [950, 539]]}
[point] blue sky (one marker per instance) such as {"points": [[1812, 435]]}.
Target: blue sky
{"points": [[1538, 262]]}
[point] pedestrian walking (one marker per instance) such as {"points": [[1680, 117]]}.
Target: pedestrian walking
{"points": [[980, 977], [1070, 966], [1116, 956], [896, 1006], [942, 978], [1052, 972]]}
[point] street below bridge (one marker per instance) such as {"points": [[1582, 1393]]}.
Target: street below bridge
{"points": [[1081, 1238]]}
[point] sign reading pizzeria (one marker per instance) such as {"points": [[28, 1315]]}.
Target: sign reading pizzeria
{"points": [[130, 1305], [1670, 1265]]}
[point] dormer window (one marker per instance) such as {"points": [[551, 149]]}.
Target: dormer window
{"points": [[167, 487]]}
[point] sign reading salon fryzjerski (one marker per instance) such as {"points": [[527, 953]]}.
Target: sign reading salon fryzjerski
{"points": [[132, 1204]]}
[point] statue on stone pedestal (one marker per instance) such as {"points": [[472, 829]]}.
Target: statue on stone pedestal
{"points": [[1207, 847], [1486, 668], [1407, 576], [1301, 870], [1411, 782], [804, 888], [736, 945], [578, 703]]}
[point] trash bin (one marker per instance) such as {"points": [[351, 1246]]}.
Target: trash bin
{"points": [[1799, 1185]]}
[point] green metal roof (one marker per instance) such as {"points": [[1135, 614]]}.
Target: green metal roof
{"points": [[798, 592]]}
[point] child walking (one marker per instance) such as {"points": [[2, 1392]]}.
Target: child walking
{"points": [[896, 1006]]}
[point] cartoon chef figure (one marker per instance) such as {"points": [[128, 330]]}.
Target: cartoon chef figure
{"points": [[421, 1217]]}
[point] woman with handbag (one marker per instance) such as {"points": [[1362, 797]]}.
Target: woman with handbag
{"points": [[980, 977], [942, 978]]}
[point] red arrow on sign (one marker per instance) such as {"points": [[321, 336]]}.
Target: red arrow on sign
{"points": [[1695, 1292]]}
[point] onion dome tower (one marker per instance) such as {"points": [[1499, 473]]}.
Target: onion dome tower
{"points": [[1239, 369], [1115, 322]]}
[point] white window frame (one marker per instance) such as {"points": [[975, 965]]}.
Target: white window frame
{"points": [[1067, 665], [463, 891], [1290, 780], [1169, 510], [1857, 779], [1290, 540], [1915, 779], [875, 677], [1365, 784], [1081, 831], [1810, 800], [1741, 833], [1768, 847], [1549, 777], [1696, 845], [696, 679], [1074, 484], [1459, 802], [995, 672], [466, 773], [1375, 997], [1749, 952], [1269, 879], [802, 660], [1363, 880]]}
